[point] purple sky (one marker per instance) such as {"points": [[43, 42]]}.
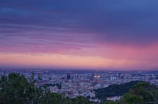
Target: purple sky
{"points": [[122, 33]]}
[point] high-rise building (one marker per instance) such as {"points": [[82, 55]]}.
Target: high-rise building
{"points": [[68, 75], [92, 77]]}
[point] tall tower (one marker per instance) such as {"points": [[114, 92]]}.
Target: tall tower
{"points": [[92, 77], [68, 75]]}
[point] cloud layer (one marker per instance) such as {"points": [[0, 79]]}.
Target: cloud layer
{"points": [[117, 30]]}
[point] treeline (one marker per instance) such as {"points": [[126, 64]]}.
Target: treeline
{"points": [[17, 89], [114, 90], [142, 93]]}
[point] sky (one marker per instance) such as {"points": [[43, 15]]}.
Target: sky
{"points": [[79, 34]]}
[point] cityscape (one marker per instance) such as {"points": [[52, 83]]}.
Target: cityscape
{"points": [[84, 82], [78, 52]]}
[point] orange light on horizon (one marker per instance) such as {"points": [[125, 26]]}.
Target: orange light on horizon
{"points": [[69, 61]]}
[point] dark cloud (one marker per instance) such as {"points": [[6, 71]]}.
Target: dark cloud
{"points": [[132, 22]]}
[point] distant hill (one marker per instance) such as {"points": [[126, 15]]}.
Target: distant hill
{"points": [[115, 90]]}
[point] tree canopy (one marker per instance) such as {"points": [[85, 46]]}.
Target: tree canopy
{"points": [[17, 89], [115, 90], [141, 93]]}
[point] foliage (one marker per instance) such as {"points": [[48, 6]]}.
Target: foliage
{"points": [[114, 90], [142, 93], [17, 89], [47, 85], [110, 102]]}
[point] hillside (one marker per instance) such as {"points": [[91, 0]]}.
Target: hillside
{"points": [[115, 90]]}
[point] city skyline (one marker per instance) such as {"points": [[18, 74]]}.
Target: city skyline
{"points": [[101, 35]]}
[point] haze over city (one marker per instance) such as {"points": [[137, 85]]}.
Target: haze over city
{"points": [[83, 34]]}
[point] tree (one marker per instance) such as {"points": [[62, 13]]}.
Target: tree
{"points": [[81, 100], [141, 93], [110, 102], [17, 89], [114, 90]]}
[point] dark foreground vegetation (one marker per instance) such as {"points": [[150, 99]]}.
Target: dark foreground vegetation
{"points": [[58, 85], [114, 90], [142, 93], [17, 89]]}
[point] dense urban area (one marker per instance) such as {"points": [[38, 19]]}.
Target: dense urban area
{"points": [[93, 85]]}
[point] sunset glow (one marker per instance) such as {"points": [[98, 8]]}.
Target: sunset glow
{"points": [[89, 34]]}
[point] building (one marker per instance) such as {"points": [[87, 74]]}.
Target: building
{"points": [[114, 98], [92, 77], [68, 75]]}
